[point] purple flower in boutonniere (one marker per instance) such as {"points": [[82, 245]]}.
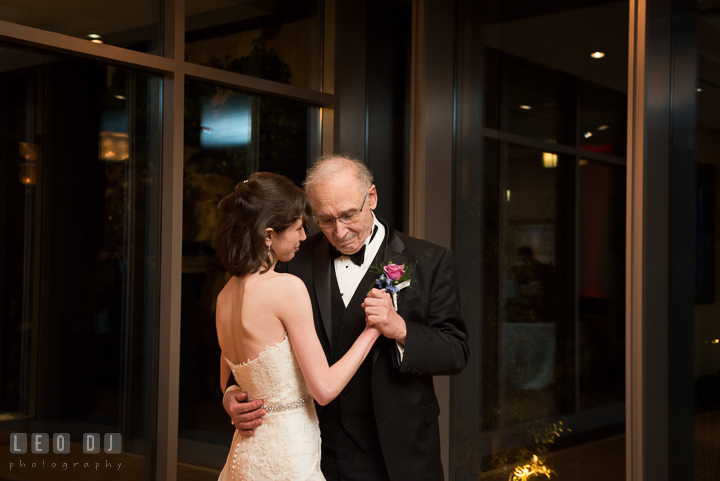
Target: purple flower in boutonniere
{"points": [[393, 278]]}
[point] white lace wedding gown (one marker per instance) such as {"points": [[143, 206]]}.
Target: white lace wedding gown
{"points": [[287, 445]]}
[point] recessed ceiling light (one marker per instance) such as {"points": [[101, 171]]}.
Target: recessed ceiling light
{"points": [[597, 54], [94, 35], [526, 107], [588, 135], [603, 127]]}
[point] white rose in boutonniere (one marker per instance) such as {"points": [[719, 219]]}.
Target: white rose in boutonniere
{"points": [[393, 279]]}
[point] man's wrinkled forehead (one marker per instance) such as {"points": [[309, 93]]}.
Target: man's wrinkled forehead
{"points": [[335, 193]]}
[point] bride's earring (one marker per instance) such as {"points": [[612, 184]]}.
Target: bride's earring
{"points": [[269, 246]]}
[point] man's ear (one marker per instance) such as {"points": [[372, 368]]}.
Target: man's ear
{"points": [[372, 197]]}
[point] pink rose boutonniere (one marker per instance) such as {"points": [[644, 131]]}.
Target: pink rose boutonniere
{"points": [[394, 271], [393, 278]]}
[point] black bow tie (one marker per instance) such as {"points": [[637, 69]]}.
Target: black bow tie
{"points": [[357, 257]]}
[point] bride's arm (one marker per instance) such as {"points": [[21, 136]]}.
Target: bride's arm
{"points": [[295, 311]]}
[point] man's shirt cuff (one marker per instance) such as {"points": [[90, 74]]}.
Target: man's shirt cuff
{"points": [[401, 351]]}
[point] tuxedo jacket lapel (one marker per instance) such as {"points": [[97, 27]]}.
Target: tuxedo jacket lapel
{"points": [[321, 281], [395, 252], [394, 245]]}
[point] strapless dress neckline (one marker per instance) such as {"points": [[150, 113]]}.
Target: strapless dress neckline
{"points": [[265, 352]]}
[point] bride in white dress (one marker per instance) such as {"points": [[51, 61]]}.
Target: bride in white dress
{"points": [[267, 335]]}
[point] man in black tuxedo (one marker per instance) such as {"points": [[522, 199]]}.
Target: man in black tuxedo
{"points": [[384, 425]]}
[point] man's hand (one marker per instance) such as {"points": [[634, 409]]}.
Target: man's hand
{"points": [[246, 416], [380, 314]]}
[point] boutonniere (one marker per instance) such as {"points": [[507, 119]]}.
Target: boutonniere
{"points": [[393, 278]]}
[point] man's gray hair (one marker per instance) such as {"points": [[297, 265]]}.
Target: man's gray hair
{"points": [[331, 164]]}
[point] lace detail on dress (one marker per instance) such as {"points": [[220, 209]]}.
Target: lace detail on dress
{"points": [[286, 447]]}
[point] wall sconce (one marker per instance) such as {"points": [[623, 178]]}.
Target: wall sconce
{"points": [[27, 172], [549, 160]]}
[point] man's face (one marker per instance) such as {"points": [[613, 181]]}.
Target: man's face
{"points": [[340, 195]]}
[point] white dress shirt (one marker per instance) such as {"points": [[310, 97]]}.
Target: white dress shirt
{"points": [[348, 274]]}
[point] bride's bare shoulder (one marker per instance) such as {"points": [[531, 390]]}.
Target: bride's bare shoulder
{"points": [[272, 283], [229, 290], [289, 283]]}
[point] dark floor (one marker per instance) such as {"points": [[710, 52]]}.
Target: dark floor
{"points": [[602, 460]]}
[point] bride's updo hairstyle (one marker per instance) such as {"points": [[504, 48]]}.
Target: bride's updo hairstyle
{"points": [[265, 200]]}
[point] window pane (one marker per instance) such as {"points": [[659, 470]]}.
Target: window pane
{"points": [[228, 135], [549, 323], [706, 261], [131, 24], [79, 157], [280, 41]]}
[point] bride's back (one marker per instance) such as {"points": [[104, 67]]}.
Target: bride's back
{"points": [[246, 318]]}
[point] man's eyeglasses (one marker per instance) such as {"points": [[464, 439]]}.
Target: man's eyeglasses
{"points": [[343, 219]]}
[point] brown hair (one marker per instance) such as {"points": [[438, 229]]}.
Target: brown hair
{"points": [[265, 200]]}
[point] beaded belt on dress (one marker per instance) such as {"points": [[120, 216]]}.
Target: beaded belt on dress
{"points": [[276, 408]]}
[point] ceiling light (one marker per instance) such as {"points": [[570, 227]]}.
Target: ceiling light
{"points": [[526, 107], [699, 89], [120, 97], [96, 40], [588, 135], [603, 127], [597, 54], [94, 35]]}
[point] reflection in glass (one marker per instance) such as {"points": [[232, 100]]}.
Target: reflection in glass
{"points": [[131, 24], [228, 135], [603, 117], [554, 362], [601, 287], [532, 100], [272, 40], [78, 255], [528, 317]]}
